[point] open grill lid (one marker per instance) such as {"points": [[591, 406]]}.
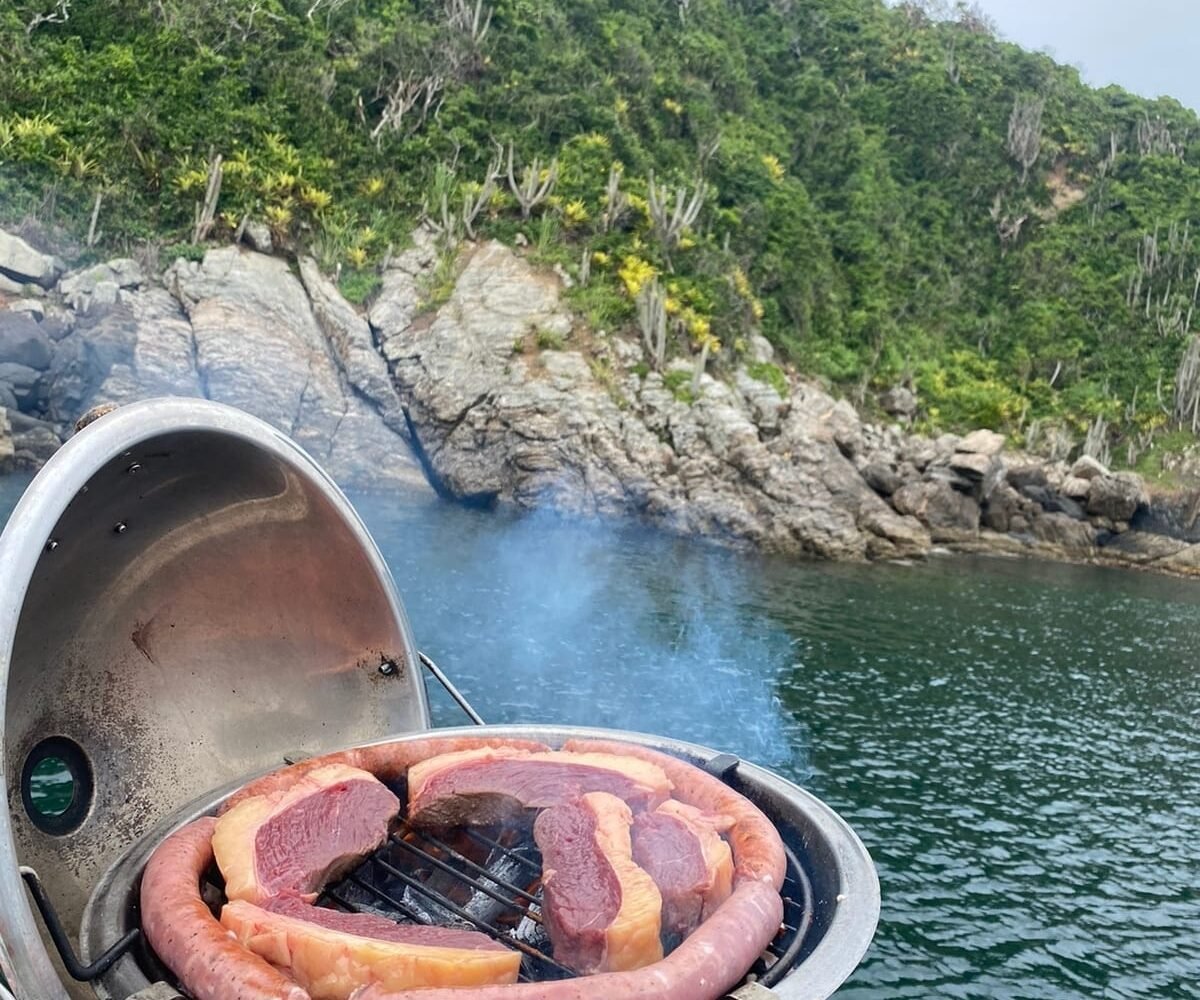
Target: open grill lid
{"points": [[185, 599]]}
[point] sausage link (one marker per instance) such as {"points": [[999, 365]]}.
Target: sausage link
{"points": [[387, 761], [706, 966], [757, 850], [187, 937]]}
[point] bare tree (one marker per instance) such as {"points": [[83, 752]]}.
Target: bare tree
{"points": [[1154, 138], [410, 100], [1025, 132], [1008, 227], [61, 14], [672, 211], [537, 183], [94, 237], [1095, 445], [616, 202], [206, 213], [1187, 386], [652, 319], [472, 21], [330, 7]]}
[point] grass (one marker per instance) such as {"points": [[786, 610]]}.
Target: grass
{"points": [[771, 374], [358, 286], [547, 340], [680, 385]]}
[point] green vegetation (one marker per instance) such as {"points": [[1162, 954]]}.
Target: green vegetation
{"points": [[679, 383], [888, 197], [771, 374], [548, 340]]}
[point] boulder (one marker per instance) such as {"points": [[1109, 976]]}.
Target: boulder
{"points": [[759, 349], [35, 446], [1004, 507], [22, 341], [898, 401], [256, 343], [1075, 487], [1116, 497], [948, 513], [766, 407], [883, 479], [982, 442], [1021, 477], [23, 264], [100, 285], [1086, 467], [257, 235], [1064, 532], [22, 381]]}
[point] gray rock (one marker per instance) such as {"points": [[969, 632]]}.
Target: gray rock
{"points": [[949, 514], [1116, 497], [982, 442], [141, 347], [22, 341], [947, 475], [34, 308], [257, 235], [1064, 532], [8, 398], [100, 285], [759, 349], [23, 264], [349, 336], [899, 402], [1141, 547], [1004, 507], [766, 407], [7, 451], [1020, 477], [18, 289], [1075, 487], [540, 429], [883, 479], [1087, 467], [35, 445], [280, 367], [975, 466]]}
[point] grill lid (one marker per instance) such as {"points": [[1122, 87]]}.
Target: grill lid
{"points": [[187, 599]]}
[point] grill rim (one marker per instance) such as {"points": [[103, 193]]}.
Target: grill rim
{"points": [[821, 968]]}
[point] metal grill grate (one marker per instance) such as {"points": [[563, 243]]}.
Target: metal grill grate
{"points": [[491, 882]]}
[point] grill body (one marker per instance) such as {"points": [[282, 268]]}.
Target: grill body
{"points": [[187, 599], [838, 915]]}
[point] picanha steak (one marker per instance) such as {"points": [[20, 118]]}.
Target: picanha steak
{"points": [[485, 786], [296, 839], [602, 911], [333, 954], [681, 848]]}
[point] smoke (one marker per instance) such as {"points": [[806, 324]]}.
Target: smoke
{"points": [[538, 618]]}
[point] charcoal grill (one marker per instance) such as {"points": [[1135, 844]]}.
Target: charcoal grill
{"points": [[189, 601]]}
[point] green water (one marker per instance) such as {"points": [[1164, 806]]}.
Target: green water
{"points": [[1018, 744]]}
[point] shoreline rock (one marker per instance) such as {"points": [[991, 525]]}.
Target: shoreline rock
{"points": [[499, 395]]}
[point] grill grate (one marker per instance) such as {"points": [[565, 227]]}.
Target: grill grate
{"points": [[491, 882]]}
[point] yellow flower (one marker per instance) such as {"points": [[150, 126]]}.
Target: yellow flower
{"points": [[672, 305], [357, 256], [373, 187], [620, 105], [601, 259], [742, 284], [575, 212], [638, 204], [279, 216], [596, 140], [673, 106], [756, 307], [635, 273], [686, 243], [367, 236], [774, 167], [315, 198]]}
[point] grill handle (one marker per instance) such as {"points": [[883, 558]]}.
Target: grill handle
{"points": [[451, 690], [75, 968]]}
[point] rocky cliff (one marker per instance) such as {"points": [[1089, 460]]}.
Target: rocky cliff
{"points": [[499, 394]]}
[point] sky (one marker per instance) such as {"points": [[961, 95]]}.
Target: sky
{"points": [[1146, 46]]}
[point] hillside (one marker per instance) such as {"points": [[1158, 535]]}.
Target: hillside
{"points": [[888, 198]]}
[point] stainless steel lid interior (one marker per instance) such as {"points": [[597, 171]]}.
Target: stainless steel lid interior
{"points": [[185, 599]]}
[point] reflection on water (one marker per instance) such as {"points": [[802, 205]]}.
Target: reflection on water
{"points": [[1017, 744]]}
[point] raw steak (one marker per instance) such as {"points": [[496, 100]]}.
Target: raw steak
{"points": [[293, 841], [481, 787], [681, 848], [602, 911], [333, 954]]}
